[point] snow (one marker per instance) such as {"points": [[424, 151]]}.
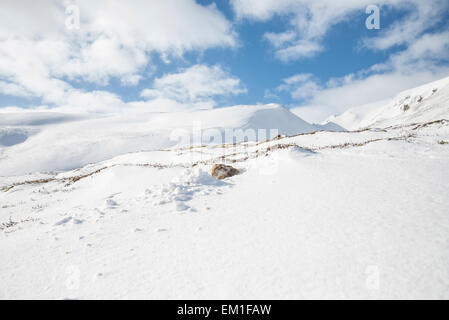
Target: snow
{"points": [[424, 104], [50, 142], [312, 214]]}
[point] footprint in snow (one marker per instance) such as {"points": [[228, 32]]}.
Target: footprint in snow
{"points": [[110, 204], [101, 213], [67, 220], [180, 206], [63, 221]]}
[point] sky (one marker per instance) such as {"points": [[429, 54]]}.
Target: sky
{"points": [[317, 58]]}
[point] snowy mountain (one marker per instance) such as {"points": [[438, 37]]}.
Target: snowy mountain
{"points": [[311, 214], [423, 104], [42, 141]]}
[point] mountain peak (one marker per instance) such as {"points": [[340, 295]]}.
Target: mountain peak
{"points": [[425, 103]]}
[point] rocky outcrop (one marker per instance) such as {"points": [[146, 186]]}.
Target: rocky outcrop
{"points": [[221, 171]]}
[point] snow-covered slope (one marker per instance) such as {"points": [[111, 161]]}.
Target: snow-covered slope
{"points": [[320, 215], [36, 141], [423, 104]]}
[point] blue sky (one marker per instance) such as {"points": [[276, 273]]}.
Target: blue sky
{"points": [[218, 53]]}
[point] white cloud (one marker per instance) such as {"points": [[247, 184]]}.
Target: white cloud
{"points": [[421, 15], [301, 49], [194, 87], [300, 86], [12, 89], [197, 87], [262, 9], [420, 63], [310, 21], [297, 78], [39, 56], [278, 40], [424, 53], [92, 101]]}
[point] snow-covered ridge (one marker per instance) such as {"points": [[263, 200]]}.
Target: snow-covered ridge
{"points": [[37, 141], [205, 155], [422, 104]]}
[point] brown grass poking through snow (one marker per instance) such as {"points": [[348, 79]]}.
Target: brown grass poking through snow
{"points": [[231, 157]]}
